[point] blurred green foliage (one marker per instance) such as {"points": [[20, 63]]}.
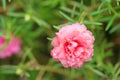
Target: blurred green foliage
{"points": [[35, 22]]}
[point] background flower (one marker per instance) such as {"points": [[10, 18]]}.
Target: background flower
{"points": [[73, 45], [8, 48]]}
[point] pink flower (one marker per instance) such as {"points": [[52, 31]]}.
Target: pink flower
{"points": [[10, 47], [73, 45]]}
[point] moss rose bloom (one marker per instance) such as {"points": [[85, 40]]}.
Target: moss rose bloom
{"points": [[73, 45], [9, 48]]}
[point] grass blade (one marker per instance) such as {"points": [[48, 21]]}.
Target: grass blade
{"points": [[110, 22], [4, 4]]}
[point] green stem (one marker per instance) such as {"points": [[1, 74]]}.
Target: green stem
{"points": [[72, 14]]}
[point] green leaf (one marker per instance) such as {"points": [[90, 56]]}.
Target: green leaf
{"points": [[115, 28], [3, 23], [72, 74], [66, 16], [32, 75], [102, 4], [70, 11], [4, 4], [50, 39], [40, 22], [105, 19], [15, 14], [1, 34], [56, 27], [97, 12], [110, 23], [115, 68], [7, 69], [116, 74], [92, 23], [96, 71]]}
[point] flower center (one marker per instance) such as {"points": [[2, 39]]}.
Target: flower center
{"points": [[70, 46]]}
